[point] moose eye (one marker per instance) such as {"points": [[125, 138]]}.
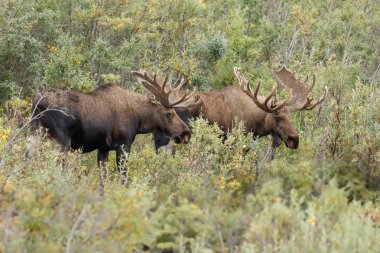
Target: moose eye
{"points": [[169, 115], [278, 119]]}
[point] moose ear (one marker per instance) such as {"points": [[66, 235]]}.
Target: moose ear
{"points": [[169, 115]]}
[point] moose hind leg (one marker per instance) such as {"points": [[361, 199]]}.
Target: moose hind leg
{"points": [[102, 167]]}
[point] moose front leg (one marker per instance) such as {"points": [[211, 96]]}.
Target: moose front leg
{"points": [[160, 139], [102, 167]]}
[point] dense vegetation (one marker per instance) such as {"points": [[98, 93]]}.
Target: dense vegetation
{"points": [[208, 197]]}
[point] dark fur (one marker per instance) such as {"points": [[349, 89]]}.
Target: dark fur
{"points": [[105, 119]]}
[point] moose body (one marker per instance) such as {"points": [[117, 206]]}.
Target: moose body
{"points": [[105, 119], [224, 106]]}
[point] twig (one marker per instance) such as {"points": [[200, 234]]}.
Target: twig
{"points": [[97, 232], [75, 227], [289, 52], [374, 73]]}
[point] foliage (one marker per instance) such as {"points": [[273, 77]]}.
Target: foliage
{"points": [[199, 200]]}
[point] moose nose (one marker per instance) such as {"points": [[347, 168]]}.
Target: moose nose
{"points": [[292, 142], [185, 136], [182, 138]]}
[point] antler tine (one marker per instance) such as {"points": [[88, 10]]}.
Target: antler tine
{"points": [[285, 102], [186, 96], [310, 87], [193, 101], [155, 77], [151, 83], [146, 78], [274, 88], [320, 100], [163, 90], [179, 100], [179, 86], [309, 105], [165, 82], [253, 95], [243, 82], [256, 90]]}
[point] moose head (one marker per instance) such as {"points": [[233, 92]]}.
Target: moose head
{"points": [[170, 99], [276, 114]]}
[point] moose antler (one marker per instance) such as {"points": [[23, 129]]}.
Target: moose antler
{"points": [[244, 85], [164, 92], [302, 101]]}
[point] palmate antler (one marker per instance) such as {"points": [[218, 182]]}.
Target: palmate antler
{"points": [[302, 101], [244, 85], [164, 92]]}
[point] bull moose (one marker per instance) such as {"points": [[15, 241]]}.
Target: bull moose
{"points": [[261, 115], [108, 118]]}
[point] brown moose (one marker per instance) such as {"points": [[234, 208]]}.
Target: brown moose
{"points": [[108, 118], [261, 115]]}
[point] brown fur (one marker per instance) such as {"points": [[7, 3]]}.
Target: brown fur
{"points": [[223, 106]]}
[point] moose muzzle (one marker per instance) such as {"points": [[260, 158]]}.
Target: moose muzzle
{"points": [[183, 138], [292, 142]]}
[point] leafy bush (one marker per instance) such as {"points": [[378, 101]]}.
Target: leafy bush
{"points": [[205, 198]]}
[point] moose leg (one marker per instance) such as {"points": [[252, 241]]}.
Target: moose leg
{"points": [[121, 160], [102, 166], [64, 143], [160, 139]]}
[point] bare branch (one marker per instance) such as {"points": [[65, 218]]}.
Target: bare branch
{"points": [[75, 227]]}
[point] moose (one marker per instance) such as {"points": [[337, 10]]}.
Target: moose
{"points": [[261, 115], [109, 118]]}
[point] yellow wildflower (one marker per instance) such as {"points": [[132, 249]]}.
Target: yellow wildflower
{"points": [[313, 220], [233, 184], [77, 61], [8, 187], [4, 134], [52, 49], [222, 183]]}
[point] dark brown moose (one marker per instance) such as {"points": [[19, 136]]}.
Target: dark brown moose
{"points": [[107, 118], [261, 115]]}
